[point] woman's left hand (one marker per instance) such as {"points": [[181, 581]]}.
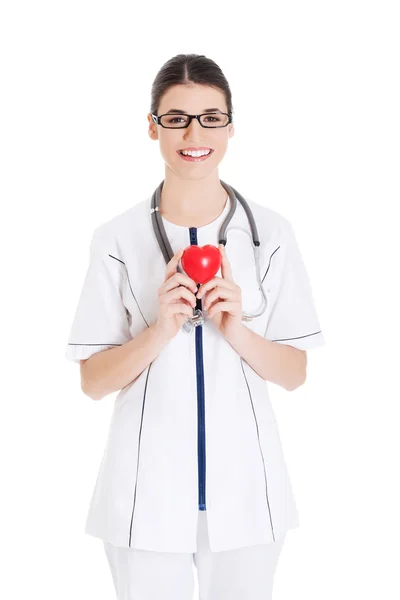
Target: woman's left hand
{"points": [[226, 315]]}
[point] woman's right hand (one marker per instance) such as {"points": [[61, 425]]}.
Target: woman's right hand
{"points": [[176, 299]]}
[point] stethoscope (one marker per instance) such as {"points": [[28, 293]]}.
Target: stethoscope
{"points": [[165, 247]]}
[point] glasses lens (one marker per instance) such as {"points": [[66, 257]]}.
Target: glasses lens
{"points": [[174, 121], [214, 120]]}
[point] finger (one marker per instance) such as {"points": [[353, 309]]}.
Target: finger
{"points": [[229, 307], [177, 279], [173, 264], [214, 282], [226, 270], [179, 308], [180, 294], [215, 294]]}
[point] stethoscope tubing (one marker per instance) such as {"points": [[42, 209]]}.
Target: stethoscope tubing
{"points": [[168, 253]]}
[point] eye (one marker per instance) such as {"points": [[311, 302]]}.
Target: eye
{"points": [[212, 119]]}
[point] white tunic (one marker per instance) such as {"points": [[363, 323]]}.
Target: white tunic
{"points": [[196, 429]]}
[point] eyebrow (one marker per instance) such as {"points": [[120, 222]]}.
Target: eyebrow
{"points": [[180, 111]]}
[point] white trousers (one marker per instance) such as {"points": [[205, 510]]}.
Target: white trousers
{"points": [[240, 574]]}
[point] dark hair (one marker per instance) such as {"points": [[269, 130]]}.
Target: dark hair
{"points": [[189, 68]]}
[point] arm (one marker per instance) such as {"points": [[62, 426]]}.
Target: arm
{"points": [[279, 363], [111, 370]]}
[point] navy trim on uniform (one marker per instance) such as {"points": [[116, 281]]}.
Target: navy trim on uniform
{"points": [[269, 263], [138, 454], [296, 338], [262, 456], [121, 261], [94, 344], [130, 287], [201, 442]]}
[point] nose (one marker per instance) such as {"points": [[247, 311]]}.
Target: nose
{"points": [[194, 130]]}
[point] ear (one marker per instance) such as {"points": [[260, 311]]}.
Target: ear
{"points": [[231, 130], [153, 134]]}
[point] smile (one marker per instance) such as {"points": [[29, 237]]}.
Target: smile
{"points": [[193, 156]]}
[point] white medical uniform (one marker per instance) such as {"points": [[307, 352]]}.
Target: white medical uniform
{"points": [[196, 429]]}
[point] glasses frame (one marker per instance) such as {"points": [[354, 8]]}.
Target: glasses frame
{"points": [[157, 120]]}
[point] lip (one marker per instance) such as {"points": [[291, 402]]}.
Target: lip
{"points": [[193, 148], [195, 158]]}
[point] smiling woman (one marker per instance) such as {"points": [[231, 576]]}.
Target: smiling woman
{"points": [[193, 471]]}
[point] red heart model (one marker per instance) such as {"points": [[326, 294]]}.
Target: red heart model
{"points": [[201, 263]]}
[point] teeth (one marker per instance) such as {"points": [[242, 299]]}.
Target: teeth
{"points": [[195, 153]]}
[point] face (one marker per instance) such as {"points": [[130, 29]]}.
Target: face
{"points": [[193, 99]]}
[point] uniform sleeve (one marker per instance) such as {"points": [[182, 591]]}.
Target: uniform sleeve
{"points": [[101, 318], [293, 318]]}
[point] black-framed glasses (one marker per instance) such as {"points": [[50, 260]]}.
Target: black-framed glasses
{"points": [[181, 121]]}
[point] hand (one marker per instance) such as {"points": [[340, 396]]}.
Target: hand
{"points": [[175, 300], [226, 315]]}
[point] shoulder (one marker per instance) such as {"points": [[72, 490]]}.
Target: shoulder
{"points": [[270, 223], [132, 217], [275, 233], [123, 227]]}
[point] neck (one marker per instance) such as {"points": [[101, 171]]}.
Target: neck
{"points": [[196, 200]]}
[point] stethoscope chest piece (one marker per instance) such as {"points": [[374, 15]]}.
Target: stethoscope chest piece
{"points": [[197, 318], [194, 321]]}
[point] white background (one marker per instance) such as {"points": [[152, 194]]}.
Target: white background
{"points": [[316, 98]]}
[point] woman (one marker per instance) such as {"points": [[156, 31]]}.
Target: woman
{"points": [[193, 472]]}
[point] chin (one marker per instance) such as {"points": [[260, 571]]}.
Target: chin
{"points": [[191, 171]]}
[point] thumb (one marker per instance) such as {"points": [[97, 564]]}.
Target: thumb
{"points": [[173, 264]]}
